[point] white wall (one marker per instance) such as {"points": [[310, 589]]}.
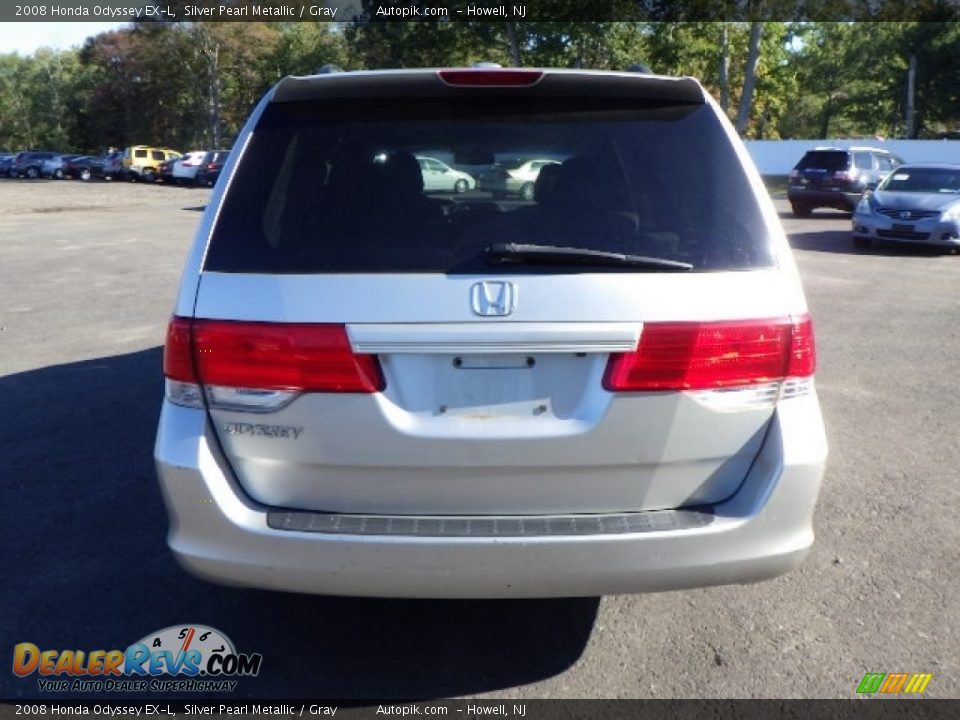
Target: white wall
{"points": [[777, 157]]}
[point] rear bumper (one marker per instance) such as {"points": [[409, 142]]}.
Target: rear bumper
{"points": [[507, 187], [763, 530], [838, 199]]}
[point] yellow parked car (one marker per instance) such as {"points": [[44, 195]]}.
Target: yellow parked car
{"points": [[142, 162]]}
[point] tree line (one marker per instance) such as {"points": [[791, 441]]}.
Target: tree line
{"points": [[191, 85]]}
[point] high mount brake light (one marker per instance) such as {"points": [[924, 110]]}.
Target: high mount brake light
{"points": [[491, 78]]}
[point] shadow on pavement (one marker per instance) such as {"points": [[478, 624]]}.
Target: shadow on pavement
{"points": [[86, 566], [834, 241]]}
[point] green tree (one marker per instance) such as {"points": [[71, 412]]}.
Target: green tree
{"points": [[35, 95]]}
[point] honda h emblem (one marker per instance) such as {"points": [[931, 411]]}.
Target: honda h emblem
{"points": [[493, 298], [905, 215]]}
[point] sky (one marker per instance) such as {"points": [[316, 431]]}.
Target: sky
{"points": [[25, 37]]}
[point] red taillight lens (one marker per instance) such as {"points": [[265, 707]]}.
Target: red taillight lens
{"points": [[490, 78], [697, 356], [177, 354], [269, 356], [803, 349]]}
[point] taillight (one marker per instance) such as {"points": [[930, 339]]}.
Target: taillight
{"points": [[844, 175], [490, 78], [698, 356], [177, 353], [268, 356], [794, 174]]}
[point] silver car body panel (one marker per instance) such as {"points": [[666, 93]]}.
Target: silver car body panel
{"points": [[763, 530], [435, 298], [495, 436]]}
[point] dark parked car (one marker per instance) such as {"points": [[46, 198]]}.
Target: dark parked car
{"points": [[108, 167], [6, 162], [29, 164], [836, 177], [53, 167], [210, 167], [80, 167], [165, 170]]}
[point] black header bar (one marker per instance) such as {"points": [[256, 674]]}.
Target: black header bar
{"points": [[168, 709], [479, 10]]}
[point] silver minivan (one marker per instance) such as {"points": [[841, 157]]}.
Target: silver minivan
{"points": [[604, 388]]}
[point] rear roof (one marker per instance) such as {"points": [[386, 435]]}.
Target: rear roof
{"points": [[858, 148], [421, 83]]}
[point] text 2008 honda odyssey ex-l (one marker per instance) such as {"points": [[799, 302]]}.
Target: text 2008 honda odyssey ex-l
{"points": [[373, 390]]}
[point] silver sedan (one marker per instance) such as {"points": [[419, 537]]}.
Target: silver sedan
{"points": [[915, 204]]}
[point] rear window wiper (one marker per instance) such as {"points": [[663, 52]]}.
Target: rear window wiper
{"points": [[523, 254]]}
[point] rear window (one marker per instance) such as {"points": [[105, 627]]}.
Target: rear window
{"points": [[824, 160], [863, 160], [330, 187]]}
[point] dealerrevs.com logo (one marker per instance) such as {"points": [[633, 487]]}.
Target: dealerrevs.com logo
{"points": [[180, 658]]}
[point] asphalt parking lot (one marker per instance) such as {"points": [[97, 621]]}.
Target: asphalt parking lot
{"points": [[87, 280]]}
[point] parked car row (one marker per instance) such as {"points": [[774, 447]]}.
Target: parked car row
{"points": [[890, 200], [137, 163], [143, 163]]}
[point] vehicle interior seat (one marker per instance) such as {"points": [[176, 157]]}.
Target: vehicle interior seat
{"points": [[545, 188], [581, 202], [401, 203]]}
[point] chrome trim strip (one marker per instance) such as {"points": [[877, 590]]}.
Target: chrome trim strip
{"points": [[494, 337]]}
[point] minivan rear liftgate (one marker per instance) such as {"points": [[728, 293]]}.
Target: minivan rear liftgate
{"points": [[478, 416], [603, 383]]}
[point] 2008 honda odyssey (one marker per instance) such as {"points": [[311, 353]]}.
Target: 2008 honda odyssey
{"points": [[608, 388]]}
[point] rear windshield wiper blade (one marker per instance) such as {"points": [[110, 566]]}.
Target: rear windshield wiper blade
{"points": [[522, 254]]}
